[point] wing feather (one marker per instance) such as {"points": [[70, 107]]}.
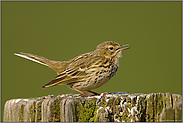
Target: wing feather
{"points": [[77, 71]]}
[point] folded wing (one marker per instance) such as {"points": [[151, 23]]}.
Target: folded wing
{"points": [[77, 71]]}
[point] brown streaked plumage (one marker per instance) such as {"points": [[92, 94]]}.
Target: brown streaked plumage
{"points": [[87, 71]]}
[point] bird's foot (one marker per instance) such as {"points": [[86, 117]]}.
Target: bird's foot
{"points": [[94, 93], [84, 94]]}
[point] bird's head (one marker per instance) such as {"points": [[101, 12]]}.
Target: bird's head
{"points": [[111, 49]]}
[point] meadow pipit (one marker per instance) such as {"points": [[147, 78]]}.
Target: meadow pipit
{"points": [[87, 71]]}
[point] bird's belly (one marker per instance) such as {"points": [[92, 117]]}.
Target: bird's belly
{"points": [[90, 85], [96, 80]]}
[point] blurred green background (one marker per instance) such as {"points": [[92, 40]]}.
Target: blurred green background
{"points": [[63, 30]]}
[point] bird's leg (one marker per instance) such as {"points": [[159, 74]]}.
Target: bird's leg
{"points": [[82, 93], [93, 92]]}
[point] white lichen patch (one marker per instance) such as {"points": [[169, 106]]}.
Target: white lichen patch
{"points": [[17, 100]]}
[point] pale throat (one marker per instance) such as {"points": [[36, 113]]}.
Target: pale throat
{"points": [[116, 57]]}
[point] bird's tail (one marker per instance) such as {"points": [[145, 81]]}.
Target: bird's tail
{"points": [[58, 66]]}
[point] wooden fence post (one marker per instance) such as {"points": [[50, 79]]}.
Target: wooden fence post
{"points": [[116, 107]]}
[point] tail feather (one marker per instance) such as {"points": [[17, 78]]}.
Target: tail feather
{"points": [[34, 58], [58, 66]]}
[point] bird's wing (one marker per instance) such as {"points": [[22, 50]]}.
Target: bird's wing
{"points": [[79, 69]]}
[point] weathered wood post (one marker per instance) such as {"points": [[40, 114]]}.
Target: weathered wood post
{"points": [[154, 107]]}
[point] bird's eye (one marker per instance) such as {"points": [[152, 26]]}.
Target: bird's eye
{"points": [[111, 48]]}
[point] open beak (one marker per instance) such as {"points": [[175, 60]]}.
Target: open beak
{"points": [[124, 48]]}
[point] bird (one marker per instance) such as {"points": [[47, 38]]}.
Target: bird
{"points": [[84, 72]]}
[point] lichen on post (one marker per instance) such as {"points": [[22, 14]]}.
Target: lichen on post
{"points": [[107, 107]]}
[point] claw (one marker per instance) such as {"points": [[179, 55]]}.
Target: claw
{"points": [[93, 92]]}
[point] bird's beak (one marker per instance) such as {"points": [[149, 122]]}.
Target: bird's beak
{"points": [[124, 48]]}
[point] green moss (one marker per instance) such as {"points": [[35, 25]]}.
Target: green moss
{"points": [[150, 108], [124, 116], [145, 97], [95, 118], [39, 111], [103, 104], [159, 104], [56, 120], [56, 108], [164, 101], [21, 113], [107, 116], [32, 113], [128, 100], [87, 112], [116, 107], [129, 106], [117, 101]]}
